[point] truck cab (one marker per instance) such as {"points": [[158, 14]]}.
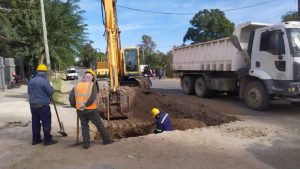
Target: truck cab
{"points": [[275, 59]]}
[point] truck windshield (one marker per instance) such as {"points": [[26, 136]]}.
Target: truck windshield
{"points": [[294, 38], [131, 59], [71, 71]]}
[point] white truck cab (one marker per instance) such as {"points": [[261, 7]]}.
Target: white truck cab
{"points": [[275, 59]]}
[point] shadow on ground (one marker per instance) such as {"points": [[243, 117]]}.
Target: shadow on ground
{"points": [[20, 96], [279, 154]]}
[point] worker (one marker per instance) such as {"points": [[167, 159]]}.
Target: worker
{"points": [[163, 121], [40, 91], [83, 97]]}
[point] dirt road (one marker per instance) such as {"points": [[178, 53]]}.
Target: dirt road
{"points": [[263, 140]]}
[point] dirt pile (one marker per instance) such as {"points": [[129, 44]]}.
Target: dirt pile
{"points": [[186, 113], [178, 106]]}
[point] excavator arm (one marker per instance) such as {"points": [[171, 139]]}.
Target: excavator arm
{"points": [[112, 33], [123, 65], [116, 103]]}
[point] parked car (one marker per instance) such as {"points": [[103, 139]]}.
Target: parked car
{"points": [[71, 74]]}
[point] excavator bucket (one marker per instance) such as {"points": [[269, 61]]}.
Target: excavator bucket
{"points": [[115, 106]]}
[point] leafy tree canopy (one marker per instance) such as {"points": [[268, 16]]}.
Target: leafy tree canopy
{"points": [[89, 56], [23, 27], [290, 16], [208, 25]]}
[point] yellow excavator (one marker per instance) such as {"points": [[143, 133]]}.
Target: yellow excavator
{"points": [[123, 65]]}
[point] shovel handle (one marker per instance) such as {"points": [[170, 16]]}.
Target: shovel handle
{"points": [[56, 111]]}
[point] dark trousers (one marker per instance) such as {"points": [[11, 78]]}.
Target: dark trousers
{"points": [[41, 117], [149, 81], [93, 116]]}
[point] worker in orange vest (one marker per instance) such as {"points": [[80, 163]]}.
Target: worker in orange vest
{"points": [[83, 97]]}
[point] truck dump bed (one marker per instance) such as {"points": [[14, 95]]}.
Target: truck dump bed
{"points": [[217, 55]]}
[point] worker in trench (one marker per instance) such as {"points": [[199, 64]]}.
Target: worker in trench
{"points": [[163, 121], [83, 97], [40, 91]]}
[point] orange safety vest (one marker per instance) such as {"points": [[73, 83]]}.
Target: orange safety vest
{"points": [[83, 91]]}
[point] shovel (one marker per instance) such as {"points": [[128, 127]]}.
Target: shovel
{"points": [[61, 126]]}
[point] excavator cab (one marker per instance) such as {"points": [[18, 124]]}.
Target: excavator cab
{"points": [[131, 61]]}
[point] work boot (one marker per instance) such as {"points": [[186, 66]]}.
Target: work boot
{"points": [[110, 141], [86, 145], [35, 142], [48, 143]]}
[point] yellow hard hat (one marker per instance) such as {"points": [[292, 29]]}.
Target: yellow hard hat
{"points": [[91, 71], [42, 67], [155, 112]]}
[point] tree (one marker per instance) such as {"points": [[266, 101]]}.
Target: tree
{"points": [[25, 39], [147, 46], [89, 55], [290, 16], [208, 25]]}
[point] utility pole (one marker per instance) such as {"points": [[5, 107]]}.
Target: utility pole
{"points": [[299, 8], [45, 35], [144, 54]]}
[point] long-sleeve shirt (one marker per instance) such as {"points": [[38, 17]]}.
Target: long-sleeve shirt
{"points": [[40, 90], [163, 122]]}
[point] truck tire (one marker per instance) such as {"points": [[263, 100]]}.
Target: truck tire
{"points": [[256, 97], [188, 85], [200, 87]]}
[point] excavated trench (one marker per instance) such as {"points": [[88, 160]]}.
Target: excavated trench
{"points": [[186, 112]]}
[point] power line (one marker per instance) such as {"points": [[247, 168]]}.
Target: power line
{"points": [[186, 13], [249, 6]]}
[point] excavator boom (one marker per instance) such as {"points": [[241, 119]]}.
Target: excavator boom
{"points": [[123, 65], [112, 33]]}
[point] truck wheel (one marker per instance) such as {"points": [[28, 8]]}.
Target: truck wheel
{"points": [[256, 96], [188, 85], [200, 87]]}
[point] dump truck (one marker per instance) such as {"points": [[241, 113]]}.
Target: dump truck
{"points": [[259, 62], [102, 69]]}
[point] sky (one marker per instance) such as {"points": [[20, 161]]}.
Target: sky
{"points": [[169, 30]]}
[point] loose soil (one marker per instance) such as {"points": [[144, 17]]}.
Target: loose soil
{"points": [[185, 113]]}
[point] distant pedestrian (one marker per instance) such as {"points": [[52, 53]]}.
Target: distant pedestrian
{"points": [[159, 73], [163, 121], [40, 91], [147, 73], [83, 97]]}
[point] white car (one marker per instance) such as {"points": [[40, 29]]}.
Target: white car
{"points": [[71, 74]]}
